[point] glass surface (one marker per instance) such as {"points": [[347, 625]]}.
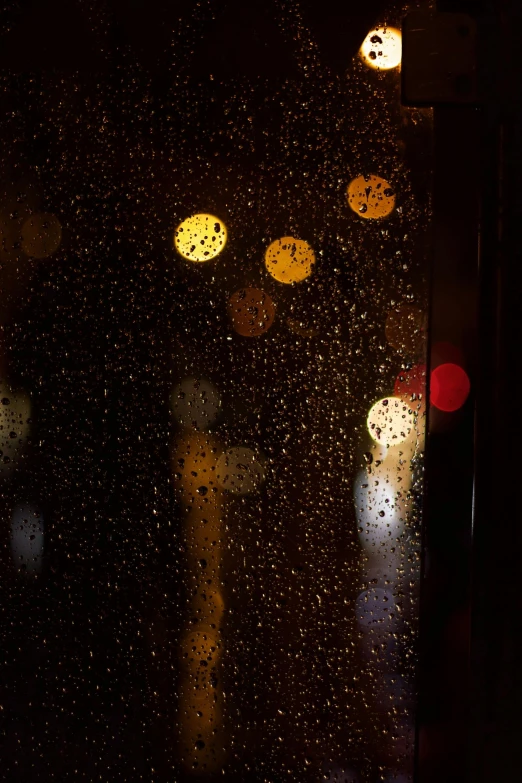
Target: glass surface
{"points": [[214, 256]]}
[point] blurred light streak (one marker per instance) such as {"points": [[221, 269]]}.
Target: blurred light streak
{"points": [[200, 718], [239, 471], [27, 538], [15, 425]]}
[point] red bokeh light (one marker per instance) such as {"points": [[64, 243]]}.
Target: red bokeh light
{"points": [[449, 387]]}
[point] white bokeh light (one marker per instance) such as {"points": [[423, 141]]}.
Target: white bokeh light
{"points": [[390, 421]]}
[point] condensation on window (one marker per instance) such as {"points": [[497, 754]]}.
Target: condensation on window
{"points": [[214, 248]]}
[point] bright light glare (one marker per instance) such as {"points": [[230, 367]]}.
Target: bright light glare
{"points": [[27, 538], [390, 421], [379, 515], [289, 260], [239, 471], [200, 237], [41, 235], [382, 48], [371, 197]]}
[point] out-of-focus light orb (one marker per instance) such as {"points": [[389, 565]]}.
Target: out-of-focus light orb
{"points": [[382, 48], [195, 403], [194, 461], [239, 471], [390, 421], [27, 538], [449, 387], [405, 329], [289, 260], [251, 312], [200, 237], [41, 235], [15, 424], [371, 197], [374, 608]]}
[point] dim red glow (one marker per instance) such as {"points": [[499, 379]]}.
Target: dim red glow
{"points": [[449, 387], [446, 353], [410, 385]]}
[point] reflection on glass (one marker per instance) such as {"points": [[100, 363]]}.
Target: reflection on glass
{"points": [[195, 403], [289, 260], [15, 423], [449, 387], [390, 421], [371, 197], [200, 237], [251, 312], [382, 48], [239, 471], [41, 235], [27, 538], [405, 330]]}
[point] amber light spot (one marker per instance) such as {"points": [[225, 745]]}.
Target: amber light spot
{"points": [[289, 260], [41, 235], [251, 312], [200, 237], [371, 197], [382, 48]]}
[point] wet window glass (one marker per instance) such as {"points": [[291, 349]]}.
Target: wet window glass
{"points": [[214, 253]]}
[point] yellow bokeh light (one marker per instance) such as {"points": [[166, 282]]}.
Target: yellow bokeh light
{"points": [[390, 421], [41, 235], [200, 237], [289, 260], [371, 197], [382, 48]]}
